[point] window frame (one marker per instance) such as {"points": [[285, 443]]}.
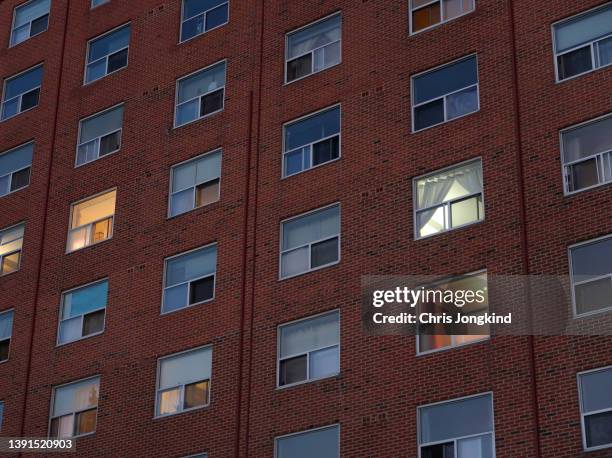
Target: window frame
{"points": [[11, 44], [444, 96], [112, 222], [53, 393], [10, 339], [88, 49], [293, 31], [20, 96], [579, 375], [20, 251], [2, 153], [93, 7], [310, 430], [98, 139], [204, 13], [437, 24]]}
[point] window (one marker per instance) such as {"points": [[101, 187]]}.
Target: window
{"points": [[448, 199], [445, 93], [200, 94], [595, 390], [190, 278], [11, 242], [91, 221], [586, 152], [183, 381], [95, 3], [320, 442], [439, 336], [30, 19], [15, 166], [201, 16], [583, 43], [461, 428], [1, 414], [428, 13], [198, 455], [21, 92], [313, 48], [591, 274], [75, 408], [82, 312], [195, 183], [309, 349], [6, 332], [99, 135], [107, 53], [310, 241], [311, 141]]}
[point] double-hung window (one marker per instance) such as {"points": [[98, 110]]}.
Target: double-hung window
{"points": [[310, 241], [107, 54], [591, 275], [99, 135], [195, 183], [309, 349], [583, 43], [30, 19], [200, 94], [320, 442], [595, 390], [448, 199], [445, 93], [11, 242], [74, 408], [91, 221], [425, 14], [21, 92], [183, 381], [82, 312], [6, 332], [190, 278], [313, 48], [586, 151], [95, 3], [15, 166], [311, 141], [199, 17], [461, 428]]}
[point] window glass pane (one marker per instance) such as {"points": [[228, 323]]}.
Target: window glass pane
{"points": [[196, 395], [466, 211], [425, 17], [439, 451], [295, 262], [325, 151], [192, 27], [596, 390], [10, 263], [20, 179], [181, 202], [39, 25], [16, 159], [187, 112], [313, 128], [86, 422], [594, 295], [191, 265], [1, 414], [169, 401], [462, 103], [62, 427], [183, 176], [310, 334], [322, 443], [324, 253], [93, 323], [450, 184], [94, 209], [327, 56], [575, 62], [117, 61], [202, 82], [101, 124], [31, 11], [604, 52], [211, 102], [454, 8], [191, 366], [324, 362], [23, 83], [592, 259], [584, 141], [4, 349], [583, 29], [475, 447], [300, 67], [175, 297], [216, 17], [85, 299], [598, 429], [96, 70], [582, 175], [313, 36], [430, 114], [208, 167], [109, 43], [293, 370], [11, 239], [193, 7], [6, 325], [76, 396], [445, 80], [202, 290], [312, 227], [207, 193], [294, 161], [70, 330]]}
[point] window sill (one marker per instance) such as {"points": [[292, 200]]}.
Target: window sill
{"points": [[452, 229], [451, 347], [287, 83], [310, 270], [90, 245], [63, 344], [162, 313], [306, 382], [185, 411]]}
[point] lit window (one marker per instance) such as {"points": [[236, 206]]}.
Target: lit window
{"points": [[311, 141], [195, 183], [99, 135], [445, 93], [91, 221], [75, 408], [82, 312], [6, 332], [448, 199], [461, 428], [21, 92], [30, 19], [15, 166], [310, 241], [95, 3], [183, 381], [583, 43], [11, 242], [107, 54], [200, 94], [586, 152], [595, 389], [190, 278], [428, 13], [201, 16], [321, 442], [313, 48], [309, 349], [591, 274]]}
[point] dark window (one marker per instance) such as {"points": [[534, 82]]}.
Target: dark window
{"points": [[93, 323], [425, 17], [429, 114], [4, 349], [39, 25], [202, 290], [20, 179], [297, 68], [117, 61], [575, 62], [293, 370], [110, 143], [85, 422], [599, 429], [211, 102], [196, 395], [207, 193], [29, 99], [324, 253], [325, 151], [438, 451]]}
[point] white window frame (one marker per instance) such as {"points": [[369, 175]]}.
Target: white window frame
{"points": [[437, 24], [311, 430], [203, 13], [599, 157], [20, 96], [10, 339], [591, 44], [105, 58], [181, 388], [309, 244], [18, 170], [312, 51], [444, 96], [99, 138], [20, 251], [90, 225], [595, 412], [573, 283], [11, 44], [53, 391], [310, 145]]}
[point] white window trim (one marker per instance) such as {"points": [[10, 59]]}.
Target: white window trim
{"points": [[583, 415], [31, 142], [309, 145], [97, 139], [437, 24], [444, 96], [176, 93], [90, 225], [203, 13], [311, 430], [329, 16], [20, 250], [53, 391], [575, 313], [10, 339], [20, 96], [87, 63], [11, 44], [309, 244]]}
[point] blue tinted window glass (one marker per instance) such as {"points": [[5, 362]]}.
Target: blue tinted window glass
{"points": [[312, 129], [109, 44], [85, 299], [445, 80], [193, 7], [321, 443], [16, 159], [216, 17], [23, 83]]}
